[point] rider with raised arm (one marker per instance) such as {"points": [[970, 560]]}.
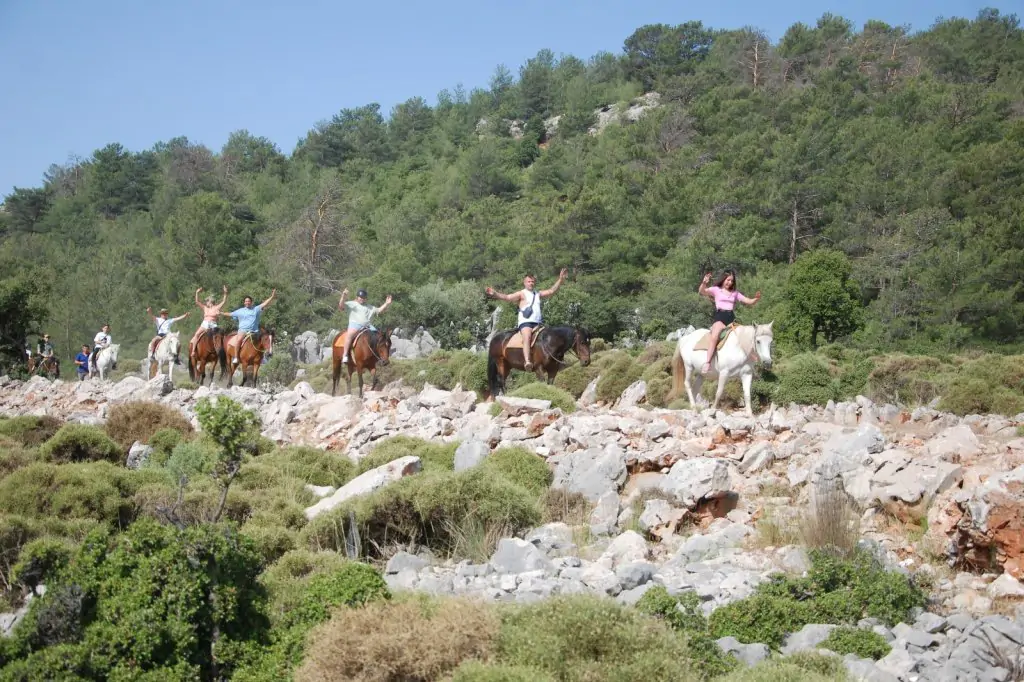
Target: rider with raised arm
{"points": [[163, 328], [725, 295], [99, 342], [211, 311], [248, 317], [528, 303], [359, 314]]}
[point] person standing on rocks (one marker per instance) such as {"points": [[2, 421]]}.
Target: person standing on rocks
{"points": [[528, 303], [358, 316]]}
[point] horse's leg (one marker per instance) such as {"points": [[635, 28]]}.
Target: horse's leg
{"points": [[747, 378], [373, 378], [722, 378], [348, 380], [689, 389], [360, 382]]}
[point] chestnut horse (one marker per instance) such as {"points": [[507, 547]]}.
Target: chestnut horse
{"points": [[249, 354], [547, 354], [369, 349], [49, 366], [207, 350]]}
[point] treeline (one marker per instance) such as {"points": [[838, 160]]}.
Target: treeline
{"points": [[870, 183]]}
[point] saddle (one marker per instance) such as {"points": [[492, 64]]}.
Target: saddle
{"points": [[702, 343], [516, 340], [339, 340]]}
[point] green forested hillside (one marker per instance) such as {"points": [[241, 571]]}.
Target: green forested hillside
{"points": [[870, 183]]}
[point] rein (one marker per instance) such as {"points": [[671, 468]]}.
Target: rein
{"points": [[570, 349]]}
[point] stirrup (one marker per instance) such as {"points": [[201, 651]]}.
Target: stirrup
{"points": [[528, 365]]}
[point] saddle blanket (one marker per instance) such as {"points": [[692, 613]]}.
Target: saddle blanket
{"points": [[516, 341], [702, 343]]}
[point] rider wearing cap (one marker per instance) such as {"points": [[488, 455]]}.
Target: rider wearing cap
{"points": [[358, 316], [163, 328]]}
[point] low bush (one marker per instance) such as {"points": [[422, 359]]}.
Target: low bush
{"points": [[351, 584], [561, 506], [476, 671], [30, 431], [81, 443], [139, 420], [40, 560], [818, 663], [784, 670], [163, 443], [416, 639], [904, 380], [434, 456], [278, 371], [863, 643], [521, 466], [989, 384], [14, 456], [585, 637], [806, 380], [542, 391], [311, 465], [428, 509], [683, 613], [192, 459], [617, 377], [658, 377], [575, 378], [836, 590]]}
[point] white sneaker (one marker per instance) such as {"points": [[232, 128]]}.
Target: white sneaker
{"points": [[344, 359]]}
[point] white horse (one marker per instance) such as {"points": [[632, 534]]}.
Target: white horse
{"points": [[166, 353], [745, 346], [105, 360]]}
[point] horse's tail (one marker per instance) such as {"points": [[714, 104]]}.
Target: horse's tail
{"points": [[492, 376], [678, 375]]}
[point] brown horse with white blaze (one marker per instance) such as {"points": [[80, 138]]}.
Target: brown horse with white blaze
{"points": [[247, 354], [369, 349]]}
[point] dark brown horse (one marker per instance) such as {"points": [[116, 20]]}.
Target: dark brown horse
{"points": [[505, 353], [207, 350], [40, 365], [370, 348], [248, 352]]}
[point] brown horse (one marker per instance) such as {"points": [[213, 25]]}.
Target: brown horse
{"points": [[550, 344], [369, 349], [248, 354], [49, 366], [207, 350]]}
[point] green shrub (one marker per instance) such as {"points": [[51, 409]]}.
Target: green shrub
{"points": [[542, 391], [41, 559], [311, 465], [475, 671], [192, 459], [152, 599], [521, 466], [783, 671], [353, 584], [14, 456], [682, 612], [988, 384], [271, 541], [428, 509], [434, 456], [139, 420], [99, 491], [288, 578], [863, 643], [30, 431], [473, 374], [163, 443], [586, 637], [575, 378], [617, 377], [819, 663], [836, 590], [81, 443], [279, 370], [806, 380], [904, 380]]}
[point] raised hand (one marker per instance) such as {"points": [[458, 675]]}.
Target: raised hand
{"points": [[563, 274]]}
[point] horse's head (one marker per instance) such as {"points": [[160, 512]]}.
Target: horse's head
{"points": [[763, 339], [382, 347], [581, 346], [174, 342], [113, 348], [267, 340]]}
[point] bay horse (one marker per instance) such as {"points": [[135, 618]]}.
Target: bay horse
{"points": [[49, 366], [742, 348], [207, 350], [369, 349], [248, 353], [550, 344]]}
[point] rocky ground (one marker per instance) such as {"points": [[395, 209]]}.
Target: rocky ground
{"points": [[691, 500]]}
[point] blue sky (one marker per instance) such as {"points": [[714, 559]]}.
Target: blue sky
{"points": [[79, 75]]}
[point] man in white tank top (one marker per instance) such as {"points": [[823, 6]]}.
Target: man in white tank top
{"points": [[528, 303]]}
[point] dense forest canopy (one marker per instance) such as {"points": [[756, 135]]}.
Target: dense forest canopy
{"points": [[870, 184]]}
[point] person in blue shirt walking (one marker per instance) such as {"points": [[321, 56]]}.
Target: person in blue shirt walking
{"points": [[248, 317], [82, 360]]}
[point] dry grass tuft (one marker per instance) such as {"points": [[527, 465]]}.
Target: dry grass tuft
{"points": [[831, 521], [417, 639], [566, 507]]}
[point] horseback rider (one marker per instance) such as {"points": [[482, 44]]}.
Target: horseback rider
{"points": [[248, 317], [358, 316], [211, 312], [725, 294], [99, 342], [529, 314], [163, 328], [44, 348]]}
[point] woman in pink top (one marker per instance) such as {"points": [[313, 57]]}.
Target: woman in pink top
{"points": [[724, 294]]}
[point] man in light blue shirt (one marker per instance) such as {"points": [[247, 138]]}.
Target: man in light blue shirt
{"points": [[248, 317]]}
